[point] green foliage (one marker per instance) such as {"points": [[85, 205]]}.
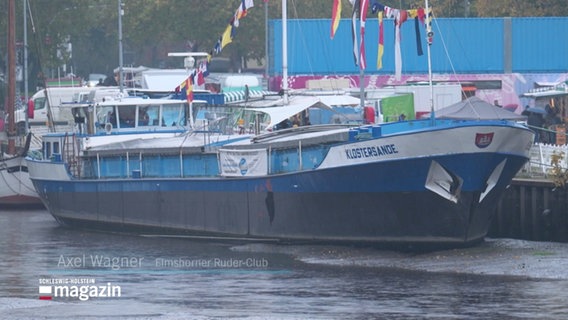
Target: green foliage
{"points": [[557, 174], [152, 28]]}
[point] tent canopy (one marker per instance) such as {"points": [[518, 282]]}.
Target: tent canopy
{"points": [[474, 108]]}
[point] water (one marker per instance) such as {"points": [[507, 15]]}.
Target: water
{"points": [[176, 278]]}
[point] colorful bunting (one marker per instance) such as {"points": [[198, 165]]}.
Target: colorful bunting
{"points": [[399, 16], [186, 89], [198, 75], [229, 33]]}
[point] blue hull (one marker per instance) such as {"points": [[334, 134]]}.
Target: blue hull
{"points": [[384, 203]]}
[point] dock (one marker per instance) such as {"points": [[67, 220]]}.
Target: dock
{"points": [[532, 209]]}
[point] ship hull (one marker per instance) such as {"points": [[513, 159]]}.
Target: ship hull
{"points": [[381, 203], [16, 188]]}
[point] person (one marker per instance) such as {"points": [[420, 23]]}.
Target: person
{"points": [[296, 121], [535, 122], [110, 80], [241, 125], [144, 119], [526, 112], [402, 117], [551, 119]]}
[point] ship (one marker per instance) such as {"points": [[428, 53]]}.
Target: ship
{"points": [[432, 182]]}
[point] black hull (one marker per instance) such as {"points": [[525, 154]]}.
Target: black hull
{"points": [[407, 219]]}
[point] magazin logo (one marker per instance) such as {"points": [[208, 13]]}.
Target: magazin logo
{"points": [[81, 292]]}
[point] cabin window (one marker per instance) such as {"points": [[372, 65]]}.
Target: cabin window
{"points": [[153, 113], [46, 150], [127, 116], [143, 116], [106, 115], [171, 115]]}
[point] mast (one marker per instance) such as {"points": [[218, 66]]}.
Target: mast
{"points": [[285, 51], [266, 40], [11, 97], [26, 89], [120, 62], [429, 35]]}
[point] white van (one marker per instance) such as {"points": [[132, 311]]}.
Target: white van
{"points": [[58, 97]]}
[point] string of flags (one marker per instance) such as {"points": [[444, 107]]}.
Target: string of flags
{"points": [[198, 74], [230, 31], [400, 16]]}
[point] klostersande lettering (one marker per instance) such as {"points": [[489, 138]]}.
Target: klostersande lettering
{"points": [[372, 151]]}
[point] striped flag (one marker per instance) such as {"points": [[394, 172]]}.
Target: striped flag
{"points": [[335, 16], [355, 4], [363, 11], [186, 88], [381, 41], [189, 88]]}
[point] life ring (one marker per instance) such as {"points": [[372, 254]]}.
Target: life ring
{"points": [[108, 127]]}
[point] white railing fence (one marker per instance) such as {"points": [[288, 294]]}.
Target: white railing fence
{"points": [[540, 163]]}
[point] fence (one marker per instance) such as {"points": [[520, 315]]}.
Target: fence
{"points": [[544, 159]]}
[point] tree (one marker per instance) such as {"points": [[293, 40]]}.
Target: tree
{"points": [[152, 28]]}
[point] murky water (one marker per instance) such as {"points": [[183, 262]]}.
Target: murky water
{"points": [[178, 278]]}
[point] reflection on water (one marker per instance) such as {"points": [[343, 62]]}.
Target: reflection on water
{"points": [[176, 278]]}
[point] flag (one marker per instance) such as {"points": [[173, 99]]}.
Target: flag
{"points": [[335, 16], [379, 10], [242, 9], [45, 293], [400, 17], [186, 88], [227, 38], [363, 18], [229, 33], [381, 41], [189, 88], [355, 4]]}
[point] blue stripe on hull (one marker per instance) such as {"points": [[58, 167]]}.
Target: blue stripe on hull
{"points": [[378, 203], [392, 176]]}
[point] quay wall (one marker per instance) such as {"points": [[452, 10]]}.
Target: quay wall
{"points": [[532, 209]]}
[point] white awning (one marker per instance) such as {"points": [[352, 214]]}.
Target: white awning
{"points": [[279, 112], [239, 95]]}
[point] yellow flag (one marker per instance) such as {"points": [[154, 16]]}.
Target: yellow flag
{"points": [[226, 38]]}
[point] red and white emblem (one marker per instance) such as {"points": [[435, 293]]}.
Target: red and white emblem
{"points": [[483, 140]]}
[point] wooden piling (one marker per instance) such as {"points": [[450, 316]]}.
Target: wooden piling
{"points": [[532, 209]]}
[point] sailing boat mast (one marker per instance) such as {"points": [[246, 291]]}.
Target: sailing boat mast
{"points": [[11, 97], [26, 89], [120, 59], [285, 51], [429, 35]]}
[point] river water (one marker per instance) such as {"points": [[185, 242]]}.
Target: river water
{"points": [[92, 275]]}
